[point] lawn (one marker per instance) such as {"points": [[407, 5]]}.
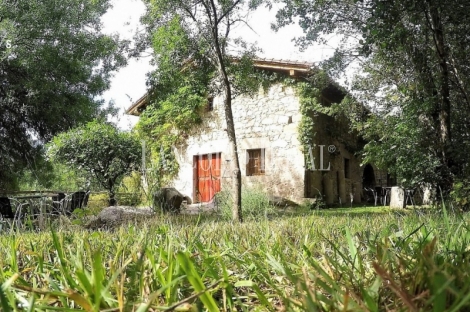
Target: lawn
{"points": [[359, 259]]}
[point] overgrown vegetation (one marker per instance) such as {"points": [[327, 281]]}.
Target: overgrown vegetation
{"points": [[412, 73], [255, 202], [100, 150], [328, 260], [50, 78]]}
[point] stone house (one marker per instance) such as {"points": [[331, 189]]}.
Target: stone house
{"points": [[272, 157]]}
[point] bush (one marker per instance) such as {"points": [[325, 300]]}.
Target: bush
{"points": [[131, 190], [129, 199], [98, 201], [317, 203], [255, 204], [461, 194]]}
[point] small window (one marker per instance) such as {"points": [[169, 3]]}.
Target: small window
{"points": [[346, 168], [210, 104], [256, 162]]}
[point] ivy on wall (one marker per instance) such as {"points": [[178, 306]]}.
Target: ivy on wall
{"points": [[178, 105], [310, 93], [312, 103]]}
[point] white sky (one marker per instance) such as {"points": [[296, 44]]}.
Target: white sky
{"points": [[129, 83]]}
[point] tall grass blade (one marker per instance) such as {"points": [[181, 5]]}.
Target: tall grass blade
{"points": [[196, 281]]}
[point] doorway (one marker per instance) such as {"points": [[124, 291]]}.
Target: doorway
{"points": [[206, 177]]}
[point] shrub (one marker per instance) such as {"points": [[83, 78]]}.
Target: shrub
{"points": [[461, 194], [316, 203], [132, 186], [98, 201], [255, 204]]}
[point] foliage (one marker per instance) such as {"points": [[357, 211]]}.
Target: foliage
{"points": [[461, 194], [309, 98], [54, 65], [101, 150], [96, 202], [46, 175], [413, 74], [192, 45], [326, 260], [178, 98], [131, 185], [255, 203]]}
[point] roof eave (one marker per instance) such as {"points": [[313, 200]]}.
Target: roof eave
{"points": [[293, 69]]}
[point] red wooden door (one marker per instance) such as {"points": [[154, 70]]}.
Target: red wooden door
{"points": [[207, 176]]}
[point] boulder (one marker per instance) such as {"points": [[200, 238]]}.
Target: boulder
{"points": [[168, 199], [282, 202], [115, 216], [397, 197]]}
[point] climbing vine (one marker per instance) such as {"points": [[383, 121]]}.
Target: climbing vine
{"points": [[309, 92], [180, 89], [312, 103]]}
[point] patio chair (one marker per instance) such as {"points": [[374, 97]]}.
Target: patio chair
{"points": [[56, 201], [5, 208], [409, 196], [70, 202], [62, 206], [79, 200], [374, 193], [6, 211]]}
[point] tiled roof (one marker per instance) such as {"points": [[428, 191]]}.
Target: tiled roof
{"points": [[292, 67]]}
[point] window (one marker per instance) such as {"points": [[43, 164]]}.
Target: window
{"points": [[255, 163], [346, 168], [210, 104]]}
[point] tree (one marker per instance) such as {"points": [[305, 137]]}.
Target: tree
{"points": [[54, 63], [191, 41], [100, 149], [414, 74]]}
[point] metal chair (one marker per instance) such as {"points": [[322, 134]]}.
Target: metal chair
{"points": [[409, 195], [376, 195], [79, 200], [5, 208], [6, 211], [68, 203]]}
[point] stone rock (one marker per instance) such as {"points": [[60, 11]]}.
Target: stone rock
{"points": [[282, 202], [115, 216], [397, 197], [428, 196], [169, 199]]}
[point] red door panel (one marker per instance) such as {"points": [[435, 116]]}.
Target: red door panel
{"points": [[207, 176]]}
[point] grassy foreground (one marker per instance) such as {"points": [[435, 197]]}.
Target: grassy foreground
{"points": [[322, 261]]}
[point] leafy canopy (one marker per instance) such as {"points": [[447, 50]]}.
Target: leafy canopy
{"points": [[413, 74], [101, 150], [188, 71], [54, 64]]}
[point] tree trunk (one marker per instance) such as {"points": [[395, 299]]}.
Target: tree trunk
{"points": [[112, 200], [220, 57], [444, 109], [237, 177]]}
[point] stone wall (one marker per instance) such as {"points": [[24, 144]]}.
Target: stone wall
{"points": [[339, 146], [269, 120]]}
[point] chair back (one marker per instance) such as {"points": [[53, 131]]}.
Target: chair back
{"points": [[57, 199], [5, 208], [85, 200], [79, 200]]}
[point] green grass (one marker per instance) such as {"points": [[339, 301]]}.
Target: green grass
{"points": [[359, 259]]}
